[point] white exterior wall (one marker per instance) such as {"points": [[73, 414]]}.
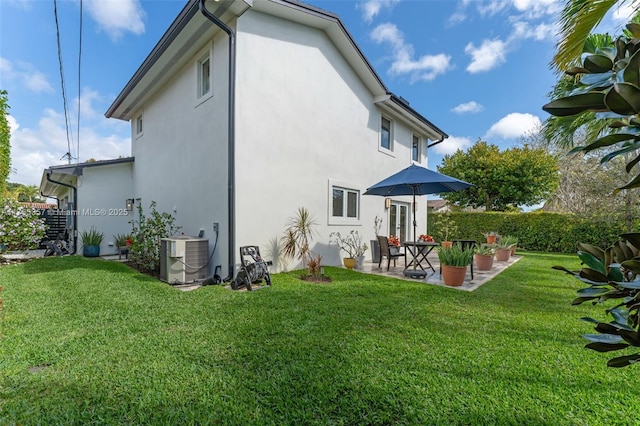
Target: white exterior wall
{"points": [[102, 193], [181, 156], [304, 121]]}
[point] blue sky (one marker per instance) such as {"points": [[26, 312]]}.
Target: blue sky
{"points": [[475, 68]]}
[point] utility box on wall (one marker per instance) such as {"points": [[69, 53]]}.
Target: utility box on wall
{"points": [[183, 259]]}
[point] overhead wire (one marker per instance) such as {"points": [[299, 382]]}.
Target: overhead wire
{"points": [[68, 155], [79, 86]]}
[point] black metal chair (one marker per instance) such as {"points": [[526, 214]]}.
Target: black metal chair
{"points": [[385, 250]]}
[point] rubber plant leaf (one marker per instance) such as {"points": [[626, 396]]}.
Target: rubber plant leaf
{"points": [[595, 251], [631, 73], [623, 361], [593, 275], [603, 338], [576, 70], [609, 140], [606, 347], [631, 337], [627, 148], [592, 262], [623, 98], [633, 238], [592, 291], [615, 274], [634, 29], [571, 105], [598, 63], [595, 81]]}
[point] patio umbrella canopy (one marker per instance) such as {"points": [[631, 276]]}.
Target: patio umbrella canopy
{"points": [[416, 180]]}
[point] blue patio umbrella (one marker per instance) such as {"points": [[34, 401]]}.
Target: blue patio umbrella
{"points": [[416, 180]]}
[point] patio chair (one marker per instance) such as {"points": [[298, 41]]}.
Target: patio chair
{"points": [[466, 245], [385, 250]]}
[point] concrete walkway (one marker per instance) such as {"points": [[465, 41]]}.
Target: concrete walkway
{"points": [[434, 278]]}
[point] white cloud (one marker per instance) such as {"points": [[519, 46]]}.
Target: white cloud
{"points": [[489, 55], [524, 30], [426, 67], [25, 74], [625, 11], [33, 150], [116, 17], [371, 8], [468, 107], [538, 8], [452, 144], [492, 7], [514, 125]]}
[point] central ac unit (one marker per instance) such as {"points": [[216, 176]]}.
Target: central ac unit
{"points": [[183, 259]]}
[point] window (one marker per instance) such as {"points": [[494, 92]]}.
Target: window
{"points": [[415, 149], [204, 77], [138, 125], [345, 203], [386, 137]]}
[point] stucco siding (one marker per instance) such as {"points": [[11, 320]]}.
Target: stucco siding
{"points": [[305, 122], [181, 156]]}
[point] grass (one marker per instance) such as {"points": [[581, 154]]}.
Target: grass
{"points": [[117, 347]]}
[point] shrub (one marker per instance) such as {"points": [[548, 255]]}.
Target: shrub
{"points": [[20, 226], [92, 237], [146, 234]]}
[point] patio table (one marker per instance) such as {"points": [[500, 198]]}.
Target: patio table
{"points": [[418, 250]]}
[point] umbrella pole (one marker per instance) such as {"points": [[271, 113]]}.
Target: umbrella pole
{"points": [[415, 273]]}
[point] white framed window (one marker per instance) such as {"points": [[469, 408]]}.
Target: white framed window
{"points": [[204, 75], [138, 125], [416, 148], [344, 204], [386, 134]]}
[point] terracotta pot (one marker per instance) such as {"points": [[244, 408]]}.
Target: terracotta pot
{"points": [[502, 255], [453, 275], [446, 244], [349, 262], [491, 239], [483, 262]]}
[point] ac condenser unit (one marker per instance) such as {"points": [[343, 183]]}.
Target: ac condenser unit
{"points": [[183, 259]]}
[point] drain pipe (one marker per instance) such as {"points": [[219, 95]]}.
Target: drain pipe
{"points": [[231, 137], [75, 206]]}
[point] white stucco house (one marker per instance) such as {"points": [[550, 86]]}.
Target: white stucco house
{"points": [[246, 110]]}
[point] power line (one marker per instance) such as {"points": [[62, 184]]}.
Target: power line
{"points": [[68, 155], [79, 86]]}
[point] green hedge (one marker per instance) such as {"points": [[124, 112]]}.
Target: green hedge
{"points": [[536, 231]]}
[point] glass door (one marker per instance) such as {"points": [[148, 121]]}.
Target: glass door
{"points": [[399, 220]]}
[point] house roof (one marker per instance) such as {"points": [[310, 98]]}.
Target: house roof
{"points": [[190, 29], [66, 173]]}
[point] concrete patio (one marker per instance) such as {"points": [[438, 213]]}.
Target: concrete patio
{"points": [[434, 278]]}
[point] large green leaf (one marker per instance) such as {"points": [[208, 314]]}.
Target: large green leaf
{"points": [[615, 274], [594, 250], [623, 98], [597, 81], [603, 338], [606, 347], [628, 147], [634, 29], [631, 72], [570, 105], [593, 275], [633, 238], [592, 291], [623, 361], [631, 337], [633, 266], [592, 262], [609, 140], [598, 63]]}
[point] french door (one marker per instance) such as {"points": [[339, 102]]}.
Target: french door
{"points": [[399, 220]]}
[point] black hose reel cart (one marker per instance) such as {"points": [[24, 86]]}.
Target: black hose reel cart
{"points": [[253, 270]]}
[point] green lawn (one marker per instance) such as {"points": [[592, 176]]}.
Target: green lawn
{"points": [[119, 347]]}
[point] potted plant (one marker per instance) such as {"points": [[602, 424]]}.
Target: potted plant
{"points": [[352, 244], [511, 242], [394, 244], [91, 241], [448, 227], [503, 251], [491, 237], [375, 245], [123, 243], [483, 257], [454, 261]]}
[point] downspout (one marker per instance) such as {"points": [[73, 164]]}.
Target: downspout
{"points": [[75, 206], [442, 138], [231, 136]]}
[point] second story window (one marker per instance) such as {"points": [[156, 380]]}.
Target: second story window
{"points": [[204, 77], [386, 135], [415, 149], [138, 125]]}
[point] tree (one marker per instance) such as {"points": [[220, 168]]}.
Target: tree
{"points": [[5, 143], [502, 180]]}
